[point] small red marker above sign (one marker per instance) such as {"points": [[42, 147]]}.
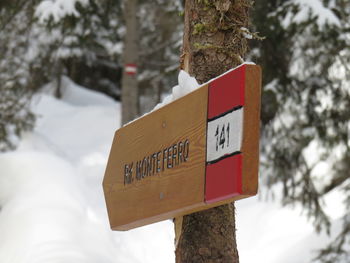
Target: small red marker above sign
{"points": [[130, 69]]}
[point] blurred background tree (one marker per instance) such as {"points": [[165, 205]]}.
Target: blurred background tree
{"points": [[305, 58], [15, 71], [43, 40], [161, 24], [306, 106]]}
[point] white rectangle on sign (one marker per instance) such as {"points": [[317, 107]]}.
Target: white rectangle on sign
{"points": [[224, 135]]}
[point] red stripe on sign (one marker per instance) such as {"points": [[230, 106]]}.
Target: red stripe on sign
{"points": [[223, 179], [226, 92]]}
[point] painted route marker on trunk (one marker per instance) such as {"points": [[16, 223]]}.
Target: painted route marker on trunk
{"points": [[195, 153]]}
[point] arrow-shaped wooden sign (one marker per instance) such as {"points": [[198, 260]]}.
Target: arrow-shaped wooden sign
{"points": [[195, 153]]}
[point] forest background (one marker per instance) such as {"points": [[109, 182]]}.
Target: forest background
{"points": [[302, 46]]}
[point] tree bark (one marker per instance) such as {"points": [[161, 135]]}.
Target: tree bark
{"points": [[130, 57], [213, 43]]}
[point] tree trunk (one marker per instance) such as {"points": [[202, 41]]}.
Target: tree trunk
{"points": [[130, 57], [213, 43]]}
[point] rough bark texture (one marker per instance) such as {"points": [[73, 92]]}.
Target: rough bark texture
{"points": [[209, 236], [130, 56], [213, 43], [213, 37]]}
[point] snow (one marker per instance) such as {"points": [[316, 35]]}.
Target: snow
{"points": [[187, 84], [52, 206], [268, 231], [57, 9], [76, 95], [246, 33], [51, 199], [315, 8]]}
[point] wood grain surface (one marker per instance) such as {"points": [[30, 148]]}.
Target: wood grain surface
{"points": [[251, 130], [136, 201], [172, 190]]}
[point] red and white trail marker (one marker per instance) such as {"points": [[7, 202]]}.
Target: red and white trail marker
{"points": [[224, 158], [224, 136], [130, 69], [195, 153]]}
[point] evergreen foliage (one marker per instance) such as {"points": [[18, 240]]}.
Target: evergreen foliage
{"points": [[84, 42], [306, 105], [15, 72], [82, 39], [161, 28], [43, 40]]}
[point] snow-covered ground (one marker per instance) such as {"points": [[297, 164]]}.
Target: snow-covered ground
{"points": [[52, 206]]}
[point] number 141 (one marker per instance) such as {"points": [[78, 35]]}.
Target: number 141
{"points": [[222, 135]]}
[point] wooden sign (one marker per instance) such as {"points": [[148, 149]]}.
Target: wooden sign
{"points": [[195, 153]]}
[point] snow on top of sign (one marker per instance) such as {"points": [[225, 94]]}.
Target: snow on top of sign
{"points": [[244, 63], [187, 84]]}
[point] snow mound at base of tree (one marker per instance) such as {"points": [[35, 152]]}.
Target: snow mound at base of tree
{"points": [[78, 95]]}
